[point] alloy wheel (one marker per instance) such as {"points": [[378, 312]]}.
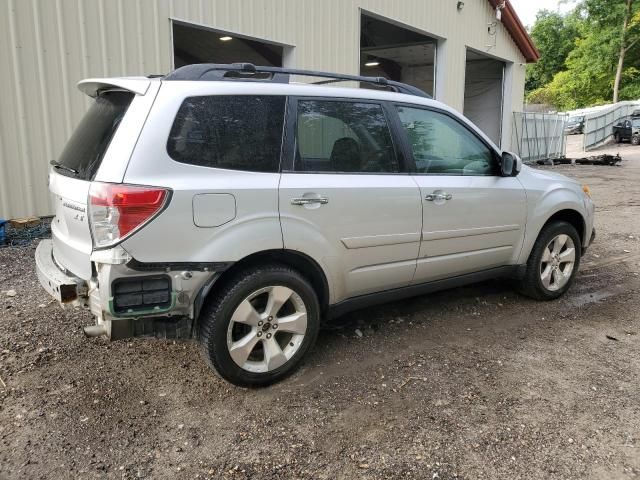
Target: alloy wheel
{"points": [[267, 329], [558, 261]]}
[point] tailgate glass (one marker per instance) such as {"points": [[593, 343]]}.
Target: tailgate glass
{"points": [[83, 153]]}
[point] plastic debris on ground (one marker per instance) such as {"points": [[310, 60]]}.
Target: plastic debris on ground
{"points": [[24, 233], [2, 231], [606, 159]]}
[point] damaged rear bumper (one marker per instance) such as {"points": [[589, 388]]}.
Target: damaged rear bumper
{"points": [[129, 299], [63, 286]]}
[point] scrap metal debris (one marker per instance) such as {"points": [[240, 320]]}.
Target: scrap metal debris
{"points": [[555, 161], [605, 159]]}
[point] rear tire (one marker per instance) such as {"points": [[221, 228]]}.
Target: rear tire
{"points": [[553, 262], [616, 138], [258, 327]]}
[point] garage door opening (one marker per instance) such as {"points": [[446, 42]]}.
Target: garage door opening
{"points": [[196, 44], [483, 93], [397, 53]]}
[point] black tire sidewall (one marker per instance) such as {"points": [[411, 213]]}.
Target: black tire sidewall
{"points": [[216, 321], [533, 268], [635, 140]]}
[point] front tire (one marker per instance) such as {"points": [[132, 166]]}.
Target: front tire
{"points": [[635, 140], [553, 262], [257, 329]]}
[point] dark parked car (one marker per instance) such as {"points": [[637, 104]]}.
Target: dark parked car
{"points": [[628, 129], [574, 125]]}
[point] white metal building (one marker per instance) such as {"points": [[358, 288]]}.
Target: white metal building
{"points": [[469, 54]]}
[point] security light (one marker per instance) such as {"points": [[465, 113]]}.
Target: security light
{"points": [[373, 63], [226, 39], [499, 9]]}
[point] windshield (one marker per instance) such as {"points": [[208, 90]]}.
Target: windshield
{"points": [[83, 153], [576, 119]]}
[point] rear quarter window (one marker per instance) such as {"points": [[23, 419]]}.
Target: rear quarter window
{"points": [[241, 132], [84, 151]]}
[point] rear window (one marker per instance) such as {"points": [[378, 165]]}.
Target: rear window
{"points": [[90, 140], [233, 132]]}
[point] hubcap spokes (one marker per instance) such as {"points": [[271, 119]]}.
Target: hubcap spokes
{"points": [[267, 329], [558, 260]]}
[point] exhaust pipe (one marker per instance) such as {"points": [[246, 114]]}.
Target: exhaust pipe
{"points": [[95, 330]]}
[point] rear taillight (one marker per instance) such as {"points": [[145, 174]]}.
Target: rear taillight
{"points": [[117, 210]]}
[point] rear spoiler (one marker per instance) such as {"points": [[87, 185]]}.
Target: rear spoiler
{"points": [[93, 86]]}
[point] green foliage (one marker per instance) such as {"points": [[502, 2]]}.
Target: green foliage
{"points": [[555, 37], [580, 53], [630, 84]]}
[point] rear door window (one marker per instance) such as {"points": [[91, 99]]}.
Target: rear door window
{"points": [[83, 152], [343, 137], [242, 132]]}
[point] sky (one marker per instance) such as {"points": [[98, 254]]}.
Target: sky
{"points": [[527, 9]]}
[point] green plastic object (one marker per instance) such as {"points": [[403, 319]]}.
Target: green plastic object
{"points": [[142, 313]]}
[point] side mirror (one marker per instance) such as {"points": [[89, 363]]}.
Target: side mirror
{"points": [[510, 165]]}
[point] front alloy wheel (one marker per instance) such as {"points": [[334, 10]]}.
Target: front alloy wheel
{"points": [[558, 260], [553, 262]]}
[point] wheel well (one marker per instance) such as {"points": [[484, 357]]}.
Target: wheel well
{"points": [[304, 264], [572, 217]]}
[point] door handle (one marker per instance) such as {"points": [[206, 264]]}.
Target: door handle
{"points": [[309, 200], [431, 197]]}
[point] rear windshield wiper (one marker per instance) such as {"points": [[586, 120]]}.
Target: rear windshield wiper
{"points": [[59, 165]]}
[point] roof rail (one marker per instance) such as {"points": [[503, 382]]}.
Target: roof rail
{"points": [[250, 72]]}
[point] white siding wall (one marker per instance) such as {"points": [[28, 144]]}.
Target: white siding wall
{"points": [[46, 46]]}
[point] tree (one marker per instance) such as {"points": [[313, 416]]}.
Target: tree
{"points": [[603, 59], [622, 17], [555, 36], [586, 79]]}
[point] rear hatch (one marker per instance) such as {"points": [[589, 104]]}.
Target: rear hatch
{"points": [[72, 173]]}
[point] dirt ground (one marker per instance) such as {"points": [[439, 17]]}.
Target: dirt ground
{"points": [[471, 383], [575, 146]]}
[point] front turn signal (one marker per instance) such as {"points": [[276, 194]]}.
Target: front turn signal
{"points": [[585, 189]]}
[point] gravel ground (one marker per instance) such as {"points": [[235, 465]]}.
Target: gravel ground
{"points": [[476, 382]]}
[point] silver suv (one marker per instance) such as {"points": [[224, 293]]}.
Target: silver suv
{"points": [[228, 204]]}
